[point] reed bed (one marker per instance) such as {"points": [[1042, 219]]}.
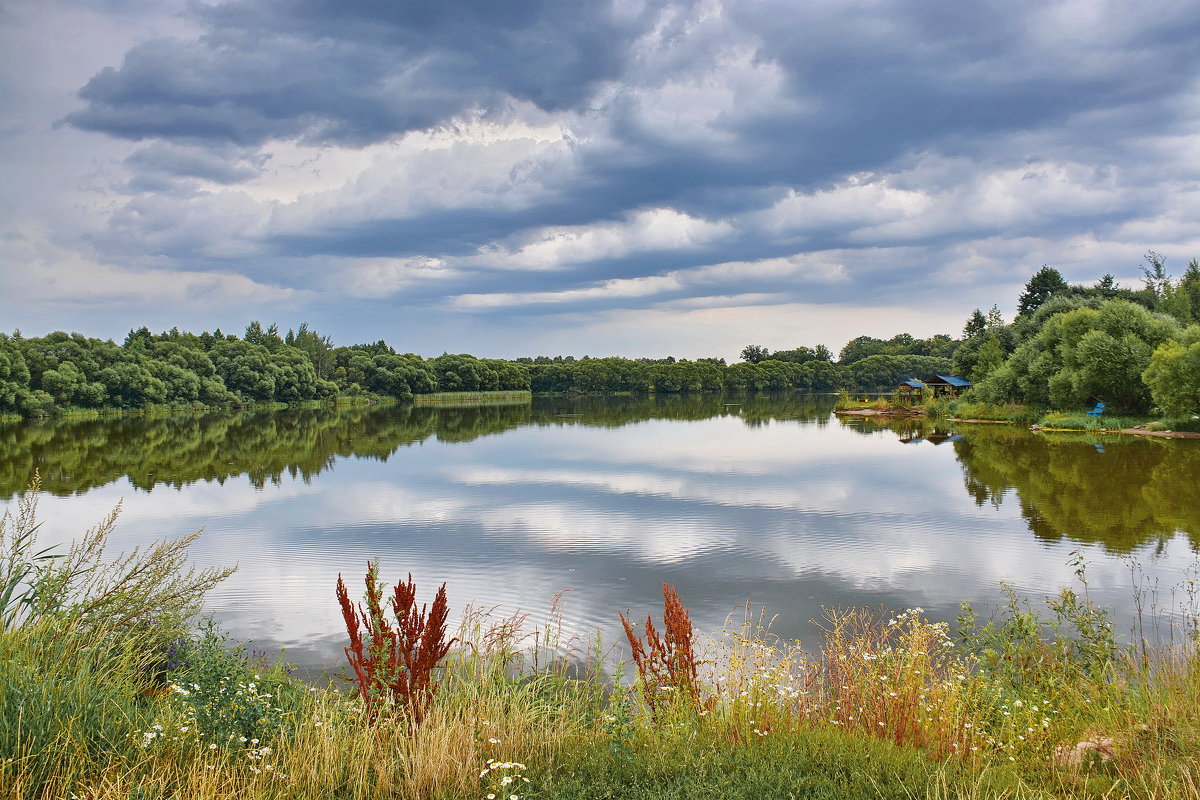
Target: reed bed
{"points": [[472, 399]]}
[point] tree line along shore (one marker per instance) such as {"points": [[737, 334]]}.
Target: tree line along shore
{"points": [[1069, 346]]}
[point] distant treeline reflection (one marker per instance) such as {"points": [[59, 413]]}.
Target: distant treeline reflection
{"points": [[1119, 492], [74, 455]]}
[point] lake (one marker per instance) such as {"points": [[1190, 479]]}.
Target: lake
{"points": [[766, 499]]}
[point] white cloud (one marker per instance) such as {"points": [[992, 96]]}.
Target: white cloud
{"points": [[49, 274], [380, 277], [812, 268], [649, 230], [940, 196], [470, 165]]}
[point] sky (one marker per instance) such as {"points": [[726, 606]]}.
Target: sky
{"points": [[516, 178]]}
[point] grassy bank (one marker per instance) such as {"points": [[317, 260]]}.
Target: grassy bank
{"points": [[508, 397], [1017, 702], [964, 409], [77, 412]]}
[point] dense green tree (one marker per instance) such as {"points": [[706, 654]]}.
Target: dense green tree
{"points": [[376, 348], [939, 346], [967, 353], [902, 344], [991, 357], [600, 375], [885, 372], [183, 356], [859, 348], [131, 385], [48, 352], [137, 341], [400, 376], [247, 369], [1173, 374], [1084, 355], [1045, 283], [824, 376], [463, 373], [551, 378], [268, 338], [1176, 302], [745, 377], [318, 349], [1107, 285], [1189, 284], [14, 373], [976, 323], [1182, 300], [180, 385], [510, 376], [70, 387], [1026, 327], [295, 378], [754, 353], [802, 355]]}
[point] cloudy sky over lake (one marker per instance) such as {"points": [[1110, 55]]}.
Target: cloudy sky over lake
{"points": [[514, 177]]}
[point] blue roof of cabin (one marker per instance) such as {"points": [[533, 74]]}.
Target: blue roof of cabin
{"points": [[914, 383], [953, 380]]}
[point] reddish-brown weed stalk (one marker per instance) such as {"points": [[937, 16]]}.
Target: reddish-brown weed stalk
{"points": [[667, 661], [394, 666]]}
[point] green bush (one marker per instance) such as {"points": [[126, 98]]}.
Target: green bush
{"points": [[235, 701], [1191, 424]]}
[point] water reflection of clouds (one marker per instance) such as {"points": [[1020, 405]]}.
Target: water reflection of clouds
{"points": [[185, 509], [742, 493], [713, 445], [794, 517]]}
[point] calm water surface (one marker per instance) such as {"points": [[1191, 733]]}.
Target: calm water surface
{"points": [[771, 500]]}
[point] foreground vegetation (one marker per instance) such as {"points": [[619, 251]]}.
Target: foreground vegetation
{"points": [[108, 691]]}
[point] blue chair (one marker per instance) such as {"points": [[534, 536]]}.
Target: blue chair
{"points": [[1097, 411]]}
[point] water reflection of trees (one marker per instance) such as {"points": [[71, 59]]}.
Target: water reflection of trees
{"points": [[1123, 495], [73, 455], [1119, 492]]}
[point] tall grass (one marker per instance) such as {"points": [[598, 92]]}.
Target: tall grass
{"points": [[1020, 701], [1061, 420], [964, 408], [893, 706], [67, 704], [471, 399]]}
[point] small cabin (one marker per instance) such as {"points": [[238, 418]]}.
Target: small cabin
{"points": [[910, 388], [947, 384]]}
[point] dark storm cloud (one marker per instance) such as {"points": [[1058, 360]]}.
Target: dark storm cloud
{"points": [[223, 165], [870, 83], [351, 73], [881, 141]]}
